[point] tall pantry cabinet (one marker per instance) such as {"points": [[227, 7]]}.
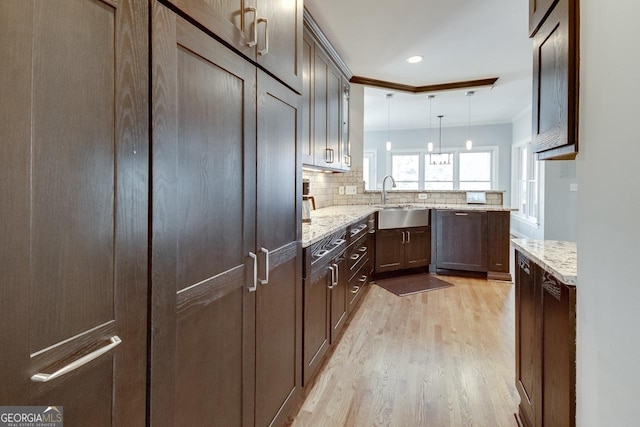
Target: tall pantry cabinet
{"points": [[73, 208], [225, 263], [149, 200]]}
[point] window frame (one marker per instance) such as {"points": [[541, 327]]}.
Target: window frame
{"points": [[494, 150], [532, 181], [372, 155]]}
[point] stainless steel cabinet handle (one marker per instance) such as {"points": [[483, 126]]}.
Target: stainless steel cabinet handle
{"points": [[333, 277], [403, 237], [355, 289], [355, 256], [372, 231], [266, 36], [461, 214], [408, 237], [43, 378], [254, 287], [363, 249], [253, 10], [362, 279], [337, 274], [266, 266]]}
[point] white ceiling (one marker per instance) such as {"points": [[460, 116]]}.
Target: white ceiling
{"points": [[459, 39]]}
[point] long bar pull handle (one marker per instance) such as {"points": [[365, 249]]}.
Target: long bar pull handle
{"points": [[266, 267], [255, 272], [461, 214], [333, 277], [266, 36], [408, 237], [403, 237], [253, 41], [43, 378], [337, 274]]}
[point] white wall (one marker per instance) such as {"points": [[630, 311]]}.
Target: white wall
{"points": [[608, 295], [487, 135]]}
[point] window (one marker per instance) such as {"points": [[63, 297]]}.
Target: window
{"points": [[475, 171], [525, 182], [369, 170], [405, 169], [467, 170]]}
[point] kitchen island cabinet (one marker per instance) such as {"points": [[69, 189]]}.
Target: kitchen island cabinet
{"points": [[545, 333], [472, 240]]}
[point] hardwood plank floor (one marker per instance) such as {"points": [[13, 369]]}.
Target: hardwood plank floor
{"points": [[438, 358]]}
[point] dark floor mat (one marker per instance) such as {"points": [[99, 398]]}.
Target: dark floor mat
{"points": [[413, 284]]}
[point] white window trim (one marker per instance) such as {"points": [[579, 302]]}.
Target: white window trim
{"points": [[373, 167], [515, 174], [495, 156]]}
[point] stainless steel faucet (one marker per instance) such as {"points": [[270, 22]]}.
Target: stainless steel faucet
{"points": [[384, 192]]}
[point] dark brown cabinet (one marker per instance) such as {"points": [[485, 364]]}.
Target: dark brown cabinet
{"points": [[74, 177], [555, 82], [317, 319], [528, 340], [398, 249], [265, 31], [325, 140], [538, 10], [545, 347], [225, 288], [461, 240], [338, 297], [475, 241]]}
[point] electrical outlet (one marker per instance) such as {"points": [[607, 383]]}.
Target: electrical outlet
{"points": [[351, 190], [422, 196], [573, 186], [341, 190]]}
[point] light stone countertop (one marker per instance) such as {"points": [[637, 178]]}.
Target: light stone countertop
{"points": [[326, 221], [556, 257]]}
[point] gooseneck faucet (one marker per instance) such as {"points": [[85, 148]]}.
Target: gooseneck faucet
{"points": [[384, 191]]}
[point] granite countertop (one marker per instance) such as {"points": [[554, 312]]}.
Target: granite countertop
{"points": [[555, 257], [326, 221]]}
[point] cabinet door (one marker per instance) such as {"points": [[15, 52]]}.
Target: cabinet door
{"points": [[203, 228], [339, 299], [234, 21], [279, 297], [417, 248], [279, 47], [306, 136], [345, 145], [462, 241], [316, 322], [322, 155], [389, 250], [334, 121], [73, 203], [559, 353], [528, 342], [555, 84], [538, 10], [498, 241]]}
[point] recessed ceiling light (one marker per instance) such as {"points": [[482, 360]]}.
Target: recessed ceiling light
{"points": [[414, 59]]}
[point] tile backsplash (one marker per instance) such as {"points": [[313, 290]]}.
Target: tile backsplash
{"points": [[325, 187]]}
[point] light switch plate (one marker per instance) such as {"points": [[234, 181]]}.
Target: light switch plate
{"points": [[573, 186], [351, 190], [341, 190], [422, 196]]}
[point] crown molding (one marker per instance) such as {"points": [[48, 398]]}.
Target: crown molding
{"points": [[314, 29], [468, 84]]}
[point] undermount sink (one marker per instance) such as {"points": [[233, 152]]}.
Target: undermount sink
{"points": [[402, 217]]}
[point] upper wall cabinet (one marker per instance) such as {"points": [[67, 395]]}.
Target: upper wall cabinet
{"points": [[538, 10], [325, 128], [268, 32], [555, 81]]}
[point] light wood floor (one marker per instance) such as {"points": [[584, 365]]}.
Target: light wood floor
{"points": [[439, 358]]}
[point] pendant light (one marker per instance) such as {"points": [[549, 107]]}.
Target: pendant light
{"points": [[430, 142], [441, 159], [469, 143], [389, 96]]}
